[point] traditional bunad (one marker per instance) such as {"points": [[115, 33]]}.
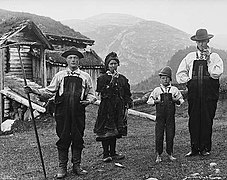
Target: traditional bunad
{"points": [[111, 122]]}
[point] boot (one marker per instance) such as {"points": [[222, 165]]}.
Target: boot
{"points": [[113, 153], [63, 160], [76, 160], [106, 151], [158, 159]]}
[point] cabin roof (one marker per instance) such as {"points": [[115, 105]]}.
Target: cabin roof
{"points": [[90, 60], [25, 33], [69, 40]]}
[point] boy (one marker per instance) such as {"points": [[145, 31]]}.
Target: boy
{"points": [[165, 97]]}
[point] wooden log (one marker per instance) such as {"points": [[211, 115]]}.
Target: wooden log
{"points": [[22, 100], [136, 113]]}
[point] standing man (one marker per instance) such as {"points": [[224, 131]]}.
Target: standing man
{"points": [[201, 71], [73, 92]]}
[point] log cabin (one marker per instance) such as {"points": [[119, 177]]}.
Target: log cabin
{"points": [[41, 58]]}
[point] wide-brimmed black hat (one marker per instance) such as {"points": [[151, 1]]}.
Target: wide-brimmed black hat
{"points": [[201, 34], [72, 51]]}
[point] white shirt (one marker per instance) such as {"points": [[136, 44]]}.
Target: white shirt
{"points": [[184, 72], [57, 83], [156, 93]]}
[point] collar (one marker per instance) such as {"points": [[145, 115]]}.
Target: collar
{"points": [[70, 72], [110, 74], [203, 54], [165, 87]]}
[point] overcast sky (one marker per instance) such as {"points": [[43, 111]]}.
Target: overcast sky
{"points": [[186, 15]]}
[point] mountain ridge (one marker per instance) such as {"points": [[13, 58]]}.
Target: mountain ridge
{"points": [[142, 46]]}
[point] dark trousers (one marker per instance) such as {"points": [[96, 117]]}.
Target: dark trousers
{"points": [[165, 123], [203, 93]]}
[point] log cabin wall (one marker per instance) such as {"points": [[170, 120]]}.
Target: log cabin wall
{"points": [[14, 66]]}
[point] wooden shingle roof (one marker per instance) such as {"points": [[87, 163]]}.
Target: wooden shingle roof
{"points": [[91, 60], [25, 33]]}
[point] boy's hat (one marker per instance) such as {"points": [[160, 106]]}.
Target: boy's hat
{"points": [[166, 71], [72, 51]]}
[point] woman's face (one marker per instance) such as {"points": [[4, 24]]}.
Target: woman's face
{"points": [[112, 66]]}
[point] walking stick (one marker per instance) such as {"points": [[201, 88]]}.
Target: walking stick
{"points": [[32, 115]]}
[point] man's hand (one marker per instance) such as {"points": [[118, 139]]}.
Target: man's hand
{"points": [[28, 89]]}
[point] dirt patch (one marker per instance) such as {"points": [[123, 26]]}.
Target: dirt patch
{"points": [[20, 158]]}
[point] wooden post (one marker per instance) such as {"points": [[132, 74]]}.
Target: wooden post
{"points": [[43, 74], [2, 61]]}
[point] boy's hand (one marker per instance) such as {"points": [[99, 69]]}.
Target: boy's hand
{"points": [[175, 100], [157, 101]]}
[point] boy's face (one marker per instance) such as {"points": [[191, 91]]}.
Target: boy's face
{"points": [[165, 80]]}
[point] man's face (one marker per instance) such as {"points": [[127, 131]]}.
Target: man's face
{"points": [[72, 61], [165, 80], [202, 44]]}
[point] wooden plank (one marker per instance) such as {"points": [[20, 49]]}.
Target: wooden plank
{"points": [[22, 100], [2, 61], [136, 113]]}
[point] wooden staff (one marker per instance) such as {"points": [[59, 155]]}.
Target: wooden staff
{"points": [[32, 115]]}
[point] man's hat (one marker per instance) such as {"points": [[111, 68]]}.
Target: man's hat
{"points": [[201, 34], [72, 51], [166, 71]]}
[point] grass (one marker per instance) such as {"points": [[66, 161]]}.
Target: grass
{"points": [[19, 156]]}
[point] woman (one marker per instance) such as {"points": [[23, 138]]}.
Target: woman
{"points": [[111, 122]]}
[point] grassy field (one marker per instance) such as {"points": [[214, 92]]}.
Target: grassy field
{"points": [[19, 156]]}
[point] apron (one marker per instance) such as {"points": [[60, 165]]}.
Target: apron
{"points": [[70, 115], [165, 122], [203, 92]]}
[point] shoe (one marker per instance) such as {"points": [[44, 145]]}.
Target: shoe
{"points": [[190, 154], [107, 159], [205, 153], [117, 156], [78, 170], [172, 158], [61, 173], [158, 159]]}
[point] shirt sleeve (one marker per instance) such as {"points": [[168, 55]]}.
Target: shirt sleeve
{"points": [[177, 94], [53, 87], [154, 95], [89, 91], [215, 66], [182, 75]]}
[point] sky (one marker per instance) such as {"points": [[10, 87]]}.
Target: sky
{"points": [[186, 15]]}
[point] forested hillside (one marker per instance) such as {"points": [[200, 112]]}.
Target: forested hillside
{"points": [[174, 62], [46, 24]]}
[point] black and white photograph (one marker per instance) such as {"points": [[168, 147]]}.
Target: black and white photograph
{"points": [[113, 89]]}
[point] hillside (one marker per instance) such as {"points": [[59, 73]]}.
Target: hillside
{"points": [[174, 62], [46, 24], [143, 46]]}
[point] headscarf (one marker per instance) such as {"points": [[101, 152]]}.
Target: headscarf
{"points": [[109, 57]]}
